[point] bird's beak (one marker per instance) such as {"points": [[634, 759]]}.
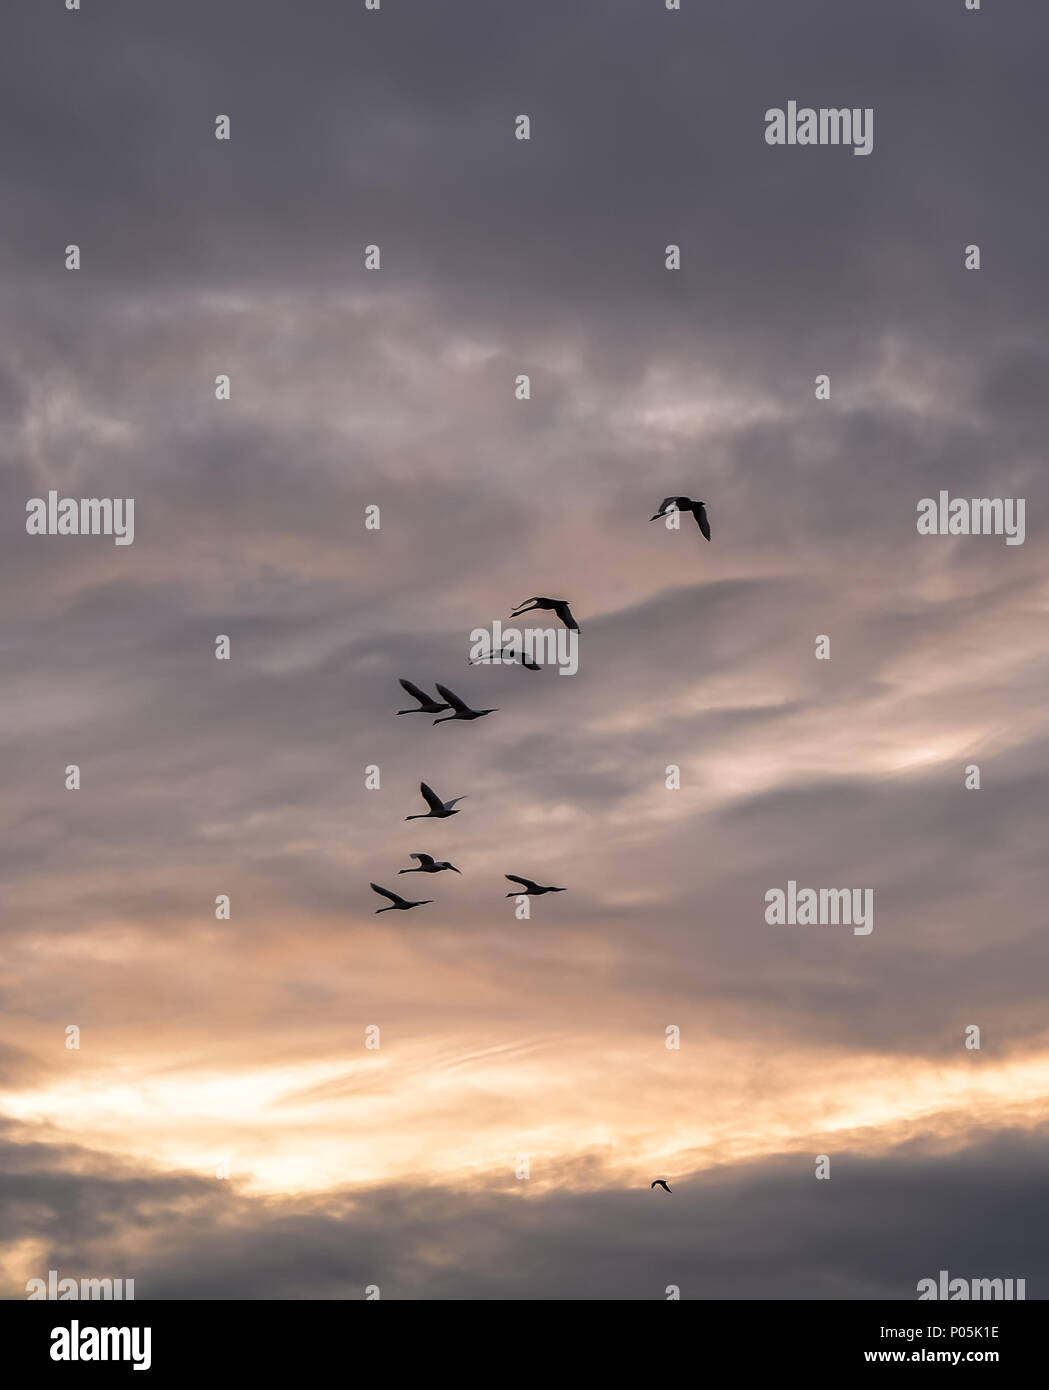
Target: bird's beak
{"points": [[455, 870]]}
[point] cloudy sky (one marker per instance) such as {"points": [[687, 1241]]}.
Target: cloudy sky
{"points": [[207, 1043]]}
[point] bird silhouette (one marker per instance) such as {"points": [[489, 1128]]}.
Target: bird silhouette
{"points": [[426, 704], [396, 900], [686, 504], [500, 658], [438, 808], [531, 889], [429, 865], [462, 710], [658, 1182], [556, 605]]}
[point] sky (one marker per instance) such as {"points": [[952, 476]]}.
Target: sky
{"points": [[223, 1130]]}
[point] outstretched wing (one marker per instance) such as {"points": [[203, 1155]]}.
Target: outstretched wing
{"points": [[452, 698], [526, 881], [563, 611], [426, 859], [454, 799], [431, 798], [385, 892], [702, 522], [415, 692]]}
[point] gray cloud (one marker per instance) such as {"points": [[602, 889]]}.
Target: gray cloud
{"points": [[351, 389], [764, 1230]]}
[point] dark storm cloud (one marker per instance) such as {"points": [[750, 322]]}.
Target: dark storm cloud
{"points": [[759, 1230], [346, 121]]}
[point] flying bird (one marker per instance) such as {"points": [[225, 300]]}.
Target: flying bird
{"points": [[531, 889], [499, 656], [396, 900], [557, 605], [438, 808], [426, 704], [429, 865], [686, 504], [658, 1182], [462, 711]]}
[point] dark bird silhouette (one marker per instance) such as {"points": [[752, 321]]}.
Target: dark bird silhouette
{"points": [[658, 1182], [556, 605], [531, 889], [397, 901], [487, 657], [462, 711], [429, 865], [686, 504], [426, 704], [438, 808]]}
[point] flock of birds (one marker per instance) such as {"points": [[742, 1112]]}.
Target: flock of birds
{"points": [[460, 710], [440, 809]]}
